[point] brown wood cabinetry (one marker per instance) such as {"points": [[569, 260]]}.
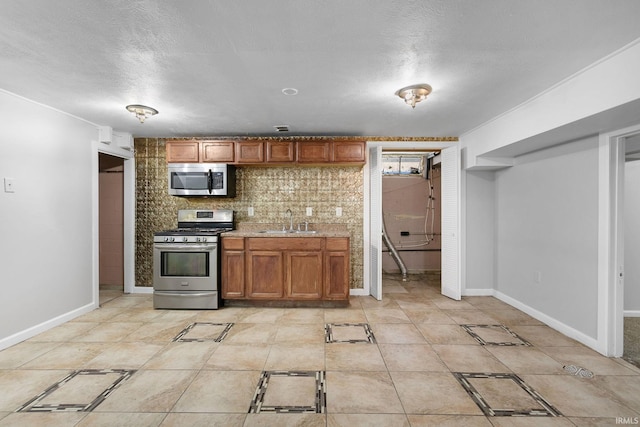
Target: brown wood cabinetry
{"points": [[304, 275], [265, 274], [233, 266], [285, 268], [336, 269], [341, 152], [249, 152], [217, 151], [183, 151], [348, 152], [258, 152], [281, 152], [314, 152]]}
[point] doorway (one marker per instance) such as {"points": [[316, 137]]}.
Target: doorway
{"points": [[411, 212], [631, 236], [451, 281], [111, 224]]}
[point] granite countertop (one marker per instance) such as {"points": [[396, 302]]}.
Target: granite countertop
{"points": [[252, 229]]}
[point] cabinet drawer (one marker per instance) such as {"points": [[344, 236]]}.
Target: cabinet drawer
{"points": [[285, 243], [233, 243], [338, 244]]}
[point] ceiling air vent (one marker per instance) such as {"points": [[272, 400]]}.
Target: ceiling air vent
{"points": [[281, 128]]}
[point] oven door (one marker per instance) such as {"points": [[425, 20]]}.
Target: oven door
{"points": [[185, 267]]}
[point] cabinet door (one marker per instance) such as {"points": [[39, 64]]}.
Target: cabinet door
{"points": [[265, 273], [304, 275], [182, 151], [281, 151], [314, 152], [336, 269], [217, 151], [233, 274], [348, 152], [336, 272], [249, 152]]}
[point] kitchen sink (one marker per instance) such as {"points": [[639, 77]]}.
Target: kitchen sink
{"points": [[288, 231]]}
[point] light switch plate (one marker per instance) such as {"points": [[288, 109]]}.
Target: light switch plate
{"points": [[338, 211], [309, 211], [250, 211], [8, 185]]}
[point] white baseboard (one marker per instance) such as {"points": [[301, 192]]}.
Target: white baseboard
{"points": [[632, 313], [478, 292], [142, 290], [44, 326], [358, 292], [551, 322]]}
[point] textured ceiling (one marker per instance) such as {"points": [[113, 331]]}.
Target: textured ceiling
{"points": [[218, 67]]}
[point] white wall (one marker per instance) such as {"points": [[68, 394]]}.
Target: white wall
{"points": [[46, 224], [607, 84], [632, 238], [479, 231], [547, 234]]}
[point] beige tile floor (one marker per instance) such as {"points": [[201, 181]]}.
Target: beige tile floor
{"points": [[405, 378]]}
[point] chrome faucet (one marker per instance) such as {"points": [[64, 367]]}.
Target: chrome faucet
{"points": [[288, 212]]}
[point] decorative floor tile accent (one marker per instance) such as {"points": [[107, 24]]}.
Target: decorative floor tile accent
{"points": [[349, 333], [262, 402], [493, 332], [37, 404], [216, 332], [578, 371], [536, 405]]}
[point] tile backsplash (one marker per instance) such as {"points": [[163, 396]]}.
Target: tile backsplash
{"points": [[269, 190]]}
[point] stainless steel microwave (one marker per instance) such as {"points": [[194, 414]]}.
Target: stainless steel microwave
{"points": [[202, 179]]}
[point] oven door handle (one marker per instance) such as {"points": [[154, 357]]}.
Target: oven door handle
{"points": [[210, 181], [188, 294], [194, 247]]}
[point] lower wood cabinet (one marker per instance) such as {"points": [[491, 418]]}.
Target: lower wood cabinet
{"points": [[292, 268]]}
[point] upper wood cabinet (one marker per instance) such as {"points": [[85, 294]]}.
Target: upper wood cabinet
{"points": [[281, 151], [183, 151], [217, 151], [348, 152], [264, 152], [314, 152], [249, 152], [200, 151]]}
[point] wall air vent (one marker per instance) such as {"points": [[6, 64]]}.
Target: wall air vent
{"points": [[281, 128]]}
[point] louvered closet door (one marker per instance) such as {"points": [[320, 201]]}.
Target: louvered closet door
{"points": [[451, 278]]}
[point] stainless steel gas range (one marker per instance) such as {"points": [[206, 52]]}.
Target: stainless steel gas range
{"points": [[186, 260]]}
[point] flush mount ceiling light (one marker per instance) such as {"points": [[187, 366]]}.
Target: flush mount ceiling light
{"points": [[414, 93], [290, 91], [142, 111]]}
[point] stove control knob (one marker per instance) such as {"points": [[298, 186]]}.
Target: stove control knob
{"points": [[204, 239], [185, 239], [166, 239], [197, 239]]}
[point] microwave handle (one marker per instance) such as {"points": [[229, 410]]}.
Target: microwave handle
{"points": [[210, 181]]}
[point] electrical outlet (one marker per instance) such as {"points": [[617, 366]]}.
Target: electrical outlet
{"points": [[309, 211], [8, 185], [250, 211], [338, 211]]}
